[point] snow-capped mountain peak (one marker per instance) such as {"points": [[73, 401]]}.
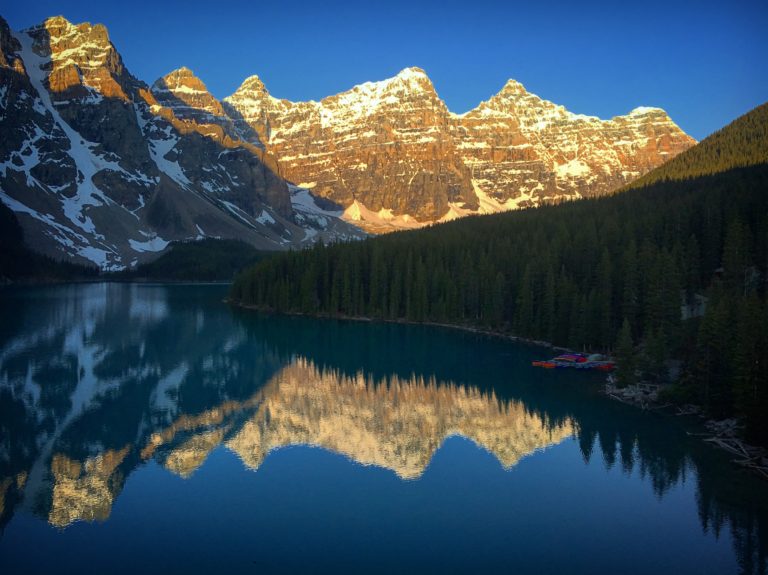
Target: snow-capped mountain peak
{"points": [[187, 95], [100, 170], [392, 148]]}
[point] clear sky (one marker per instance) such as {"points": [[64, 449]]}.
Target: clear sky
{"points": [[704, 62]]}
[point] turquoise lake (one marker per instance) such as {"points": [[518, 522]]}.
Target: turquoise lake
{"points": [[154, 429]]}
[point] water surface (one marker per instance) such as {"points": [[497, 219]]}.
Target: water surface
{"points": [[153, 429]]}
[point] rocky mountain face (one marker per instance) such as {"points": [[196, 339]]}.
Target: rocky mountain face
{"points": [[99, 167], [393, 155], [387, 146], [191, 102], [99, 170], [524, 150]]}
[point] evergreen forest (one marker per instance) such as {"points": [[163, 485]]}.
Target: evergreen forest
{"points": [[18, 262], [669, 274], [209, 259]]}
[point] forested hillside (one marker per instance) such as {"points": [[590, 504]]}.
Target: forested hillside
{"points": [[574, 274], [204, 260], [17, 262]]}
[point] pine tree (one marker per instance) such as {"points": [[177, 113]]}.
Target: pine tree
{"points": [[548, 307], [736, 256], [692, 263], [625, 356], [603, 308], [524, 308], [751, 369]]}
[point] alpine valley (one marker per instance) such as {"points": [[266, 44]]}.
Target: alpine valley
{"points": [[412, 327], [101, 168]]}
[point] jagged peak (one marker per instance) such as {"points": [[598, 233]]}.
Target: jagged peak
{"points": [[87, 47], [58, 21], [414, 77], [187, 95], [59, 27], [252, 84], [412, 72], [178, 78], [510, 95], [411, 80], [645, 110], [513, 87], [182, 72]]}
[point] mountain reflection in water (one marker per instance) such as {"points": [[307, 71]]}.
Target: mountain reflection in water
{"points": [[394, 424], [97, 380]]}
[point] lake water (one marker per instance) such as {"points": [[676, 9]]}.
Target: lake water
{"points": [[153, 429]]}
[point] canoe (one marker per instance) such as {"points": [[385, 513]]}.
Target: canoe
{"points": [[575, 361]]}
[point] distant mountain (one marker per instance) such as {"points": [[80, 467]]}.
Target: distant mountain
{"points": [[741, 143], [99, 170], [394, 156], [189, 99]]}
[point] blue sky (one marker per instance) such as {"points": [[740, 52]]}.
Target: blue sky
{"points": [[704, 62]]}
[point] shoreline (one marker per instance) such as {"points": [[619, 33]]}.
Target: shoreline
{"points": [[644, 396], [454, 326], [99, 280]]}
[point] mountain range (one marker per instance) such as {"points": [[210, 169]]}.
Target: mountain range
{"points": [[98, 170], [101, 168], [393, 155]]}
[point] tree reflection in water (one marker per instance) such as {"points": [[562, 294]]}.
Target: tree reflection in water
{"points": [[97, 379]]}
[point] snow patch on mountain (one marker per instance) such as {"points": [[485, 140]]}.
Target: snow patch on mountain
{"points": [[161, 142], [572, 169], [322, 221], [383, 220], [155, 244], [394, 144], [87, 163], [643, 110]]}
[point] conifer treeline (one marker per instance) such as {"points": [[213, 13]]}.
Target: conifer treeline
{"points": [[18, 262], [209, 259], [573, 274]]}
